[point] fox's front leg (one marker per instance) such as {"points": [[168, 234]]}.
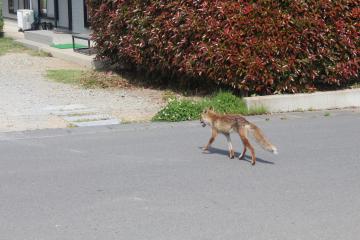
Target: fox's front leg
{"points": [[231, 151], [214, 133]]}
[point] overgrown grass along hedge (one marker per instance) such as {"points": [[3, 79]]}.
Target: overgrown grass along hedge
{"points": [[87, 79], [222, 102], [256, 46]]}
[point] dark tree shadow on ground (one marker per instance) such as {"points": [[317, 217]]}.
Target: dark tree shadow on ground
{"points": [[247, 158]]}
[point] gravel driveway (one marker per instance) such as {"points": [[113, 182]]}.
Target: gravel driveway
{"points": [[27, 98]]}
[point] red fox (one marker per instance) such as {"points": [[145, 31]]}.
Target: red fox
{"points": [[229, 122]]}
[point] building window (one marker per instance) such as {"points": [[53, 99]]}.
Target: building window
{"points": [[11, 6], [86, 15], [26, 4], [43, 7]]}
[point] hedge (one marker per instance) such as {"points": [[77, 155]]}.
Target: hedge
{"points": [[258, 46]]}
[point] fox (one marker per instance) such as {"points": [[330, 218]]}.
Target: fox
{"points": [[226, 123]]}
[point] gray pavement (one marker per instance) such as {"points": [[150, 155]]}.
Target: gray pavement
{"points": [[151, 181]]}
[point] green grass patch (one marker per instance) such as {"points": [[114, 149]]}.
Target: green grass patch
{"points": [[87, 79], [180, 110], [67, 46], [222, 102], [256, 111], [8, 45], [65, 76]]}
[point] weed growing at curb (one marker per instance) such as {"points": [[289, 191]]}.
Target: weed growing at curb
{"points": [[222, 102], [168, 96], [71, 125], [355, 85], [40, 53]]}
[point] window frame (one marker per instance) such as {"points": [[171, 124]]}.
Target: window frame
{"points": [[26, 4], [12, 11], [86, 15]]}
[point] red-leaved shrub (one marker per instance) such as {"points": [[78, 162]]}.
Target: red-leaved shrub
{"points": [[258, 46]]}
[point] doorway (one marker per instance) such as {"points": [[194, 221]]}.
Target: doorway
{"points": [[63, 14]]}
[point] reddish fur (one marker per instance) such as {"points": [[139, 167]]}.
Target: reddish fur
{"points": [[226, 123]]}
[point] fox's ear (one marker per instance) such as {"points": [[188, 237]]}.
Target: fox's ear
{"points": [[211, 108]]}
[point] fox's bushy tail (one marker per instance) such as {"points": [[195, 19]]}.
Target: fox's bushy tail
{"points": [[261, 139]]}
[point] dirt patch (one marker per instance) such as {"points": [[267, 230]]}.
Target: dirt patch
{"points": [[25, 94]]}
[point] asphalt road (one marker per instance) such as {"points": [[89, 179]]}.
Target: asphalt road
{"points": [[151, 181]]}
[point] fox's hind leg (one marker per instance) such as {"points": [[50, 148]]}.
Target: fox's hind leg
{"points": [[231, 151], [244, 150], [245, 140], [243, 153], [214, 133]]}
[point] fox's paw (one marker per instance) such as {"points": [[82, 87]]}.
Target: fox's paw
{"points": [[241, 157], [205, 150], [253, 163]]}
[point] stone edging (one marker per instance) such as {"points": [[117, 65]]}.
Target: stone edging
{"points": [[307, 101]]}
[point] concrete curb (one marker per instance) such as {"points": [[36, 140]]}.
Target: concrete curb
{"points": [[307, 101]]}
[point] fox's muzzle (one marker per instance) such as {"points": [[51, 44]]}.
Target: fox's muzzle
{"points": [[203, 124]]}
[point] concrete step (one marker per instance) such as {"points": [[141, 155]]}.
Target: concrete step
{"points": [[306, 101], [87, 117], [30, 44], [64, 54], [96, 123], [81, 116], [65, 107], [40, 36]]}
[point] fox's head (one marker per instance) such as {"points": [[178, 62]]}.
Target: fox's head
{"points": [[205, 118]]}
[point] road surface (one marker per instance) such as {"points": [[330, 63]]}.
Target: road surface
{"points": [[151, 181]]}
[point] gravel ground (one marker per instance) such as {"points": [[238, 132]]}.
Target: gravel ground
{"points": [[25, 94]]}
